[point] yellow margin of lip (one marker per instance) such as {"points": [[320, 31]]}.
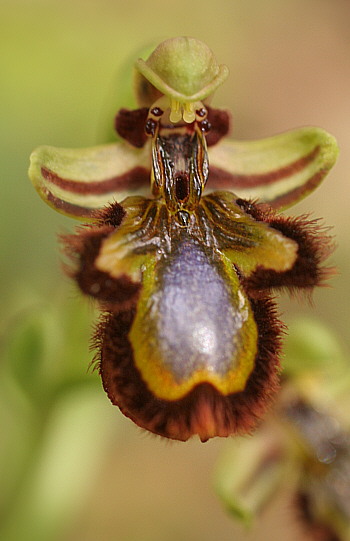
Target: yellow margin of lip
{"points": [[159, 379]]}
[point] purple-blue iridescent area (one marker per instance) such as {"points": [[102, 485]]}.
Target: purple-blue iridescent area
{"points": [[198, 326]]}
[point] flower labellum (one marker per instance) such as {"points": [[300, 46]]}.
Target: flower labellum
{"points": [[183, 266]]}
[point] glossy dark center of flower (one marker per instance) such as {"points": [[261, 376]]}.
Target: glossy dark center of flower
{"points": [[182, 188]]}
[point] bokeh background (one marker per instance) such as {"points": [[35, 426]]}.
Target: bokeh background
{"points": [[72, 467]]}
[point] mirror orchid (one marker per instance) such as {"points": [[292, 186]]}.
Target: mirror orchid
{"points": [[184, 247]]}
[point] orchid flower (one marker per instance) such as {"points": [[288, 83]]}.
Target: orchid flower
{"points": [[180, 256]]}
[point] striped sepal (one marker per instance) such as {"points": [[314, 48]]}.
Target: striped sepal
{"points": [[280, 170], [76, 182]]}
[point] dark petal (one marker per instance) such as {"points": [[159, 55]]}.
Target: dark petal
{"points": [[130, 125], [220, 125]]}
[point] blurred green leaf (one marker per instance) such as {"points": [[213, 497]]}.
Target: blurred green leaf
{"points": [[79, 429], [32, 348], [249, 474], [19, 426], [47, 347], [311, 345]]}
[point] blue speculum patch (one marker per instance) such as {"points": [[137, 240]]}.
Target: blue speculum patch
{"points": [[198, 327]]}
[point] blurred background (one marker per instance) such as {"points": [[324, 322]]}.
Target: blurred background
{"points": [[72, 467]]}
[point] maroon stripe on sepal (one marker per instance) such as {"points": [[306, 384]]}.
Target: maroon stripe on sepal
{"points": [[221, 179], [68, 208], [299, 192], [134, 179]]}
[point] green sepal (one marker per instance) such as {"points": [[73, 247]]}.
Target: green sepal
{"points": [[280, 170], [76, 182], [182, 69]]}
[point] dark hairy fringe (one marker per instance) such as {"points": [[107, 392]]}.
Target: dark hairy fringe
{"points": [[82, 250], [204, 410], [105, 221], [314, 247], [111, 215]]}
